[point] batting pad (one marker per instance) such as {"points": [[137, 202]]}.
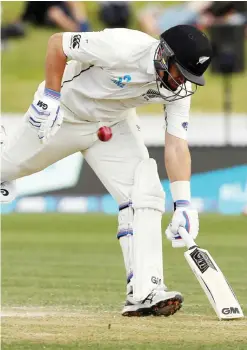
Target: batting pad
{"points": [[148, 200]]}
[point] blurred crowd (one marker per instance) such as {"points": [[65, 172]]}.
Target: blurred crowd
{"points": [[70, 16], [152, 18]]}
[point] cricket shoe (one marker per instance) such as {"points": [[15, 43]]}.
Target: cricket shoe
{"points": [[157, 303]]}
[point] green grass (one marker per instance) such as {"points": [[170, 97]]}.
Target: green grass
{"points": [[63, 287], [23, 69]]}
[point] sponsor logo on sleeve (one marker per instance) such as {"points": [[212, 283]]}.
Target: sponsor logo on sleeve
{"points": [[75, 41]]}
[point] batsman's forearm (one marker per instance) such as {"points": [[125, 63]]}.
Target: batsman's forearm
{"points": [[55, 62], [177, 159]]}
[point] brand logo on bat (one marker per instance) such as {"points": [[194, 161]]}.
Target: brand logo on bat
{"points": [[230, 310], [202, 260]]}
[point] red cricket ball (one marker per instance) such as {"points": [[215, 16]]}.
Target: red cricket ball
{"points": [[104, 133]]}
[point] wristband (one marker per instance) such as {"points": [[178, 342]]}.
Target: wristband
{"points": [[52, 94], [180, 191]]}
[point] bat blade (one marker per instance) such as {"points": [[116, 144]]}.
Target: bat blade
{"points": [[214, 283]]}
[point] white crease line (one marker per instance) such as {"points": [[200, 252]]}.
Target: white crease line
{"points": [[29, 312], [32, 314]]}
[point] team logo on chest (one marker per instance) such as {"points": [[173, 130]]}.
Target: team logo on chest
{"points": [[122, 81]]}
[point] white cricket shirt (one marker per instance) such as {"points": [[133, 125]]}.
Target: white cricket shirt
{"points": [[111, 72]]}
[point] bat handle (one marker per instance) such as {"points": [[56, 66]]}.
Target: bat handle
{"points": [[189, 241]]}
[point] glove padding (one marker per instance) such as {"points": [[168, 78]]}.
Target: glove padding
{"points": [[183, 217], [44, 116]]}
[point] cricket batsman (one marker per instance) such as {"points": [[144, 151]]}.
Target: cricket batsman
{"points": [[95, 80]]}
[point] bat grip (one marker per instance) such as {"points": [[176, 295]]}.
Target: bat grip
{"points": [[189, 241]]}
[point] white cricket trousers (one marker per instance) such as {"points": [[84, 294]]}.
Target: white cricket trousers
{"points": [[114, 162]]}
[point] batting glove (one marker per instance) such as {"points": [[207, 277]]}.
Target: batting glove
{"points": [[44, 116], [184, 216]]}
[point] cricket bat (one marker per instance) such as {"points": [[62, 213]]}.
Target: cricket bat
{"points": [[212, 280]]}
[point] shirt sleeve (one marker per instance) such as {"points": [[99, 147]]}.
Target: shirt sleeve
{"points": [[177, 117], [97, 48]]}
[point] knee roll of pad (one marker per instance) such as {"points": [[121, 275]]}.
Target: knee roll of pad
{"points": [[147, 190]]}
